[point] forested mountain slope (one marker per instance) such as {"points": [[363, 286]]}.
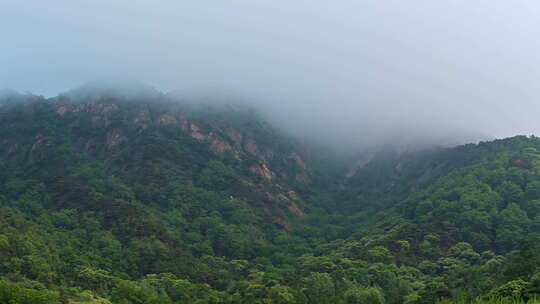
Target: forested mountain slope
{"points": [[145, 198]]}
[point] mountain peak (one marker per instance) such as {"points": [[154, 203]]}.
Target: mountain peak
{"points": [[122, 90]]}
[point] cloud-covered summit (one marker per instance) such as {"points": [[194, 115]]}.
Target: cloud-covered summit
{"points": [[349, 72]]}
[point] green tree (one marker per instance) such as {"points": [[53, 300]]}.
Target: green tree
{"points": [[367, 295], [319, 288]]}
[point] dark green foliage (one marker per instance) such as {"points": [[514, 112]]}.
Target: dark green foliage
{"points": [[160, 202]]}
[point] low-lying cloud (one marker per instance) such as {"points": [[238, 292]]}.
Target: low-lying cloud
{"points": [[349, 72]]}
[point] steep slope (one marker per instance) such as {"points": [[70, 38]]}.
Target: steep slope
{"points": [[147, 142], [153, 185]]}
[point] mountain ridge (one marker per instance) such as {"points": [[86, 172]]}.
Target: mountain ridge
{"points": [[111, 197]]}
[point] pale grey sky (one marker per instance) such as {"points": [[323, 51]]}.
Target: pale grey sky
{"points": [[342, 69]]}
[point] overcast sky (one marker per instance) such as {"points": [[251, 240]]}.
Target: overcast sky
{"points": [[344, 69]]}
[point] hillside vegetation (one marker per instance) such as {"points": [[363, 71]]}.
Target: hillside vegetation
{"points": [[107, 198]]}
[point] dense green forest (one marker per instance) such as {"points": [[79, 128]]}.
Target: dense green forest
{"points": [[148, 199]]}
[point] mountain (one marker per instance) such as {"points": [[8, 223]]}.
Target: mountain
{"points": [[123, 194]]}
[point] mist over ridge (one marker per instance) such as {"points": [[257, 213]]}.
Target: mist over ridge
{"points": [[349, 137], [350, 75]]}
